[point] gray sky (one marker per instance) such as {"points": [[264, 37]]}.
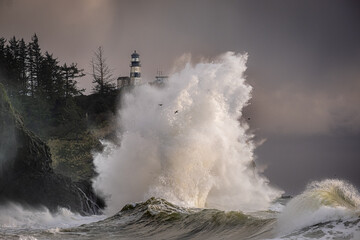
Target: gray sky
{"points": [[304, 64]]}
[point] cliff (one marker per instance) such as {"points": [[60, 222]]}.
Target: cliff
{"points": [[26, 174]]}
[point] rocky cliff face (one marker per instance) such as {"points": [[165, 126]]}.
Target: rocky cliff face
{"points": [[26, 175]]}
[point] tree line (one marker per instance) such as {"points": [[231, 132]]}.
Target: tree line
{"points": [[45, 92], [28, 72]]}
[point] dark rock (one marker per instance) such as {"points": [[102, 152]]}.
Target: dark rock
{"points": [[26, 175]]}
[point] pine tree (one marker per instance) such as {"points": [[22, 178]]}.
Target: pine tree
{"points": [[49, 74], [34, 65], [11, 66], [23, 81], [2, 60], [2, 50], [69, 74]]}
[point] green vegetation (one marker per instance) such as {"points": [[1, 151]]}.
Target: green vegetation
{"points": [[73, 158], [47, 97]]}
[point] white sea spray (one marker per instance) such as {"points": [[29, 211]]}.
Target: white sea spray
{"points": [[184, 142]]}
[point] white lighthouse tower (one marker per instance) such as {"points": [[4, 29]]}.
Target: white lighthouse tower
{"points": [[135, 66]]}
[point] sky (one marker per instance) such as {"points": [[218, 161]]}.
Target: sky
{"points": [[304, 59]]}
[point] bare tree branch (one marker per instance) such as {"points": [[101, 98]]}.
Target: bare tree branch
{"points": [[101, 73]]}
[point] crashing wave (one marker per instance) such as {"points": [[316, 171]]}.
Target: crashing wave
{"points": [[184, 143], [321, 202]]}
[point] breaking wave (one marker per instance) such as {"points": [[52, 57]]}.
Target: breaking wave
{"points": [[184, 143], [321, 202], [159, 219]]}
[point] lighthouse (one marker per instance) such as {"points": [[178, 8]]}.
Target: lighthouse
{"points": [[135, 66]]}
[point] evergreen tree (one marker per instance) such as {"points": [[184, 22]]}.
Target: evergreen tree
{"points": [[11, 66], [49, 74], [69, 74], [2, 51], [22, 63], [2, 61], [41, 89], [34, 64]]}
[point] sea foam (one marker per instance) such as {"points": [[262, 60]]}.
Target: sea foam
{"points": [[13, 215]]}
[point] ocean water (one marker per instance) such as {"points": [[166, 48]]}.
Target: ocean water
{"points": [[184, 169], [325, 210]]}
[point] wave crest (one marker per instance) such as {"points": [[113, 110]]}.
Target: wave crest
{"points": [[322, 201], [335, 193]]}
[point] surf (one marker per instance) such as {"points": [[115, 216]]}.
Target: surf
{"points": [[330, 200]]}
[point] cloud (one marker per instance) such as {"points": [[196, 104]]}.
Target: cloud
{"points": [[294, 110], [303, 57]]}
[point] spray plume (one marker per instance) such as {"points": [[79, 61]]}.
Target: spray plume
{"points": [[184, 143]]}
